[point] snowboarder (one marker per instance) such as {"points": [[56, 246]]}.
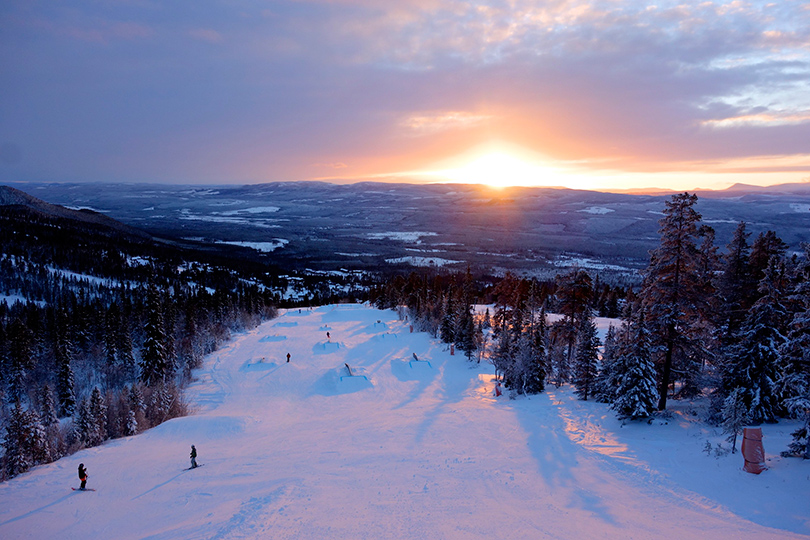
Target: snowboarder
{"points": [[193, 457], [415, 357], [328, 336], [82, 476], [288, 358]]}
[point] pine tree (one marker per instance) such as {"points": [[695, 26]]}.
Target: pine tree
{"points": [[736, 284], [63, 351], [753, 362], [735, 416], [586, 359], [83, 425], [465, 333], [672, 291], [97, 411], [574, 294], [131, 426], [603, 388], [794, 381], [154, 362], [25, 442], [20, 359], [635, 393], [47, 410]]}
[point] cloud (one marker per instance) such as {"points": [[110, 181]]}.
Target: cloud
{"points": [[381, 85], [206, 34], [433, 122]]}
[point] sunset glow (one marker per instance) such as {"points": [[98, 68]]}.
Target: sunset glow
{"points": [[597, 95]]}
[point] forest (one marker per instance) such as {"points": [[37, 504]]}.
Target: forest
{"points": [[730, 325], [102, 327]]}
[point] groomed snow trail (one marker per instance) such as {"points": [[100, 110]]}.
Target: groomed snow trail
{"points": [[403, 449]]}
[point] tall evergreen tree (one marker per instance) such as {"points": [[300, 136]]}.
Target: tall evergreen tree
{"points": [[586, 359], [97, 410], [574, 295], [25, 443], [794, 381], [753, 362], [63, 351], [154, 361], [606, 382], [635, 394], [20, 359], [672, 291], [736, 283]]}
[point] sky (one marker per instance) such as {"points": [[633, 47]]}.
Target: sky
{"points": [[597, 95]]}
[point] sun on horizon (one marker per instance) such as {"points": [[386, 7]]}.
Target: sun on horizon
{"points": [[499, 169]]}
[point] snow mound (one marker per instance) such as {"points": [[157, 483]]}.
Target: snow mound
{"points": [[269, 339], [337, 381]]}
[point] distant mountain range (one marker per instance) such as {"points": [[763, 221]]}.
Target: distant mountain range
{"points": [[395, 226]]}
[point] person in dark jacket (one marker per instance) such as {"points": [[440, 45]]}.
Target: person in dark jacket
{"points": [[193, 457], [82, 475]]}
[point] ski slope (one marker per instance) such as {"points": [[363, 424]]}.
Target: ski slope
{"points": [[402, 449]]}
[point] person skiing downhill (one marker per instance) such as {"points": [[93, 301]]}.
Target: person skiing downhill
{"points": [[82, 476], [193, 457]]}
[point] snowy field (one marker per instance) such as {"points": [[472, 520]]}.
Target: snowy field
{"points": [[403, 449]]}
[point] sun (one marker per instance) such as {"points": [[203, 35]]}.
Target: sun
{"points": [[499, 170]]}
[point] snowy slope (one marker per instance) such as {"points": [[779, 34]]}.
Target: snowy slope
{"points": [[402, 450]]}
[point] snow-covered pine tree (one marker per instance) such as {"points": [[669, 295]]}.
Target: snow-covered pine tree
{"points": [[636, 392], [447, 329], [735, 416], [154, 362], [112, 322], [752, 363], [47, 409], [672, 290], [20, 359], [83, 425], [465, 331], [604, 388], [736, 284], [98, 418], [25, 443], [63, 352], [503, 358], [794, 382], [586, 359]]}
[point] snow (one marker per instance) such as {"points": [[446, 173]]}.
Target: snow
{"points": [[264, 247], [12, 299], [800, 208], [254, 210], [566, 261], [421, 261], [411, 236], [402, 450], [597, 210]]}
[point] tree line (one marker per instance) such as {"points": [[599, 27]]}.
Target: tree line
{"points": [[733, 326], [100, 329]]}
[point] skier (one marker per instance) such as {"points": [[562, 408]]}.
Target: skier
{"points": [[288, 358], [415, 357], [82, 476], [193, 457], [328, 336]]}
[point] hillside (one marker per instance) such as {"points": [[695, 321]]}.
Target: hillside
{"points": [[403, 450]]}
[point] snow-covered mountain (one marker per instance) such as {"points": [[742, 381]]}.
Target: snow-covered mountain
{"points": [[400, 449]]}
